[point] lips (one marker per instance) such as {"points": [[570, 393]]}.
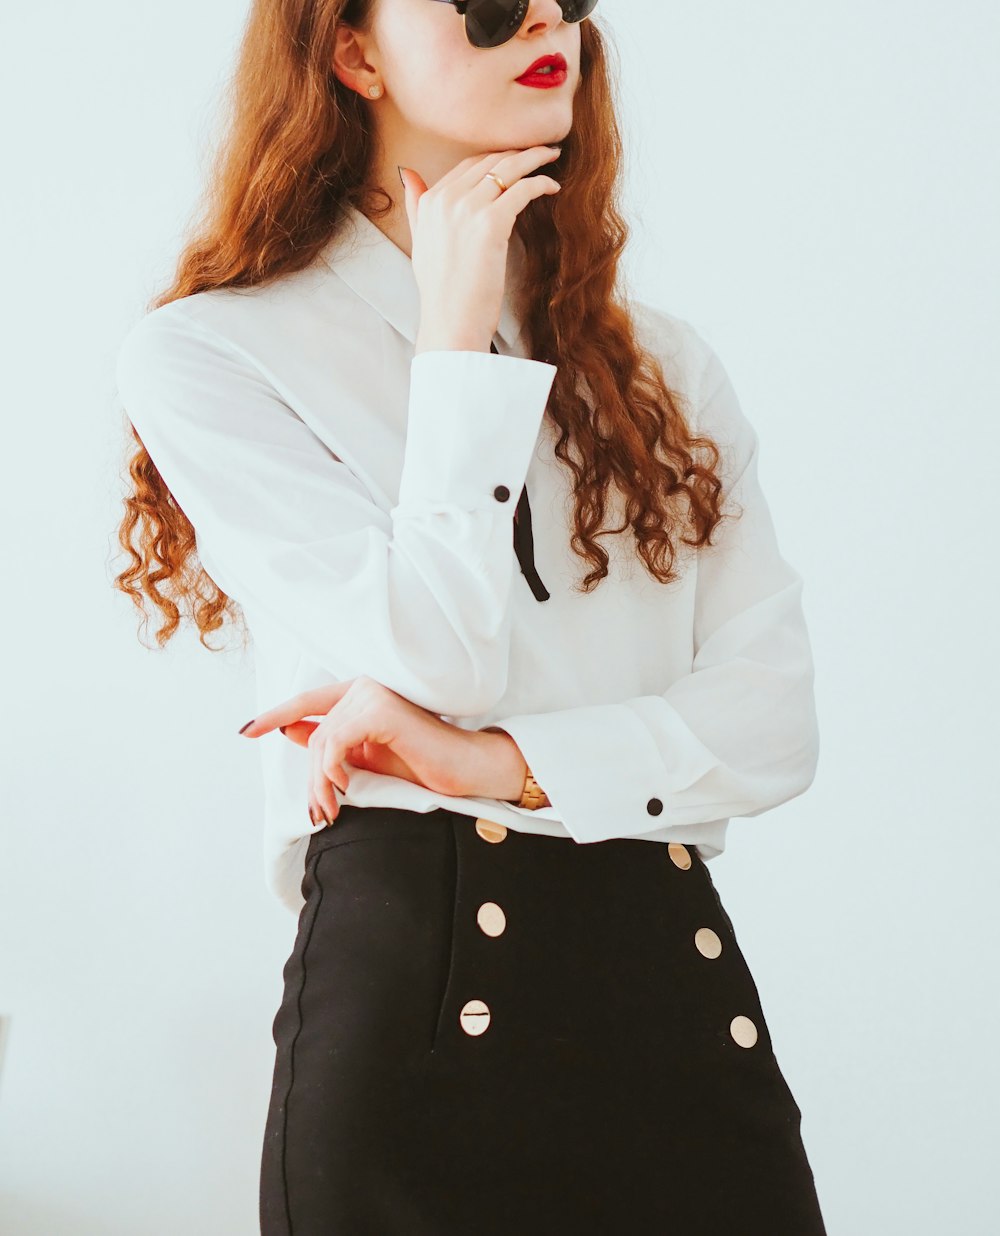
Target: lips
{"points": [[557, 63]]}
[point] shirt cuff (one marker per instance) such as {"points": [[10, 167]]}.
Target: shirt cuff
{"points": [[602, 769], [472, 426]]}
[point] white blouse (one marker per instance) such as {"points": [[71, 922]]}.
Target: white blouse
{"points": [[357, 501]]}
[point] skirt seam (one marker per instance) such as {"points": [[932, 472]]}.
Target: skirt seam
{"points": [[291, 1050], [452, 941]]}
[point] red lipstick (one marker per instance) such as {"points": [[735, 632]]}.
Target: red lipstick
{"points": [[546, 72]]}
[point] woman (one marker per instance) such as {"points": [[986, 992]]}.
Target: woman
{"points": [[386, 416]]}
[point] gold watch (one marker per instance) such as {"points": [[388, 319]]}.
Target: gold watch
{"points": [[533, 796]]}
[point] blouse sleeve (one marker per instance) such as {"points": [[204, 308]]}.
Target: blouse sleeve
{"points": [[735, 736], [417, 596]]}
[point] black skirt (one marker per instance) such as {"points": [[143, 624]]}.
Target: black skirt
{"points": [[492, 1032]]}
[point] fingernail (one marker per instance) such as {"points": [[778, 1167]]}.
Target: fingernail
{"points": [[401, 180], [312, 817], [282, 728], [248, 724]]}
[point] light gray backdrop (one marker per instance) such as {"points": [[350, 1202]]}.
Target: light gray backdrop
{"points": [[816, 188]]}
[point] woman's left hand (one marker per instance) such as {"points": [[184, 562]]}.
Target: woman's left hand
{"points": [[366, 724]]}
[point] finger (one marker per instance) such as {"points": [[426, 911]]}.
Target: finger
{"points": [[342, 728], [359, 756], [323, 792], [334, 762], [463, 167], [414, 187], [376, 758], [315, 702], [319, 783], [315, 812], [299, 731], [523, 191], [466, 172], [509, 165]]}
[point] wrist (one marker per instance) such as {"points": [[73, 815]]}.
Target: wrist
{"points": [[447, 343], [494, 767]]}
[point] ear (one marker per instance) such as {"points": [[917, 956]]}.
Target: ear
{"points": [[349, 63]]}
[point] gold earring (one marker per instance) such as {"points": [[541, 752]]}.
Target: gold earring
{"points": [[374, 91]]}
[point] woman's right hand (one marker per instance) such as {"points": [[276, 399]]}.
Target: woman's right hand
{"points": [[460, 230]]}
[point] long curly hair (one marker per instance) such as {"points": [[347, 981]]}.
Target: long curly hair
{"points": [[298, 147]]}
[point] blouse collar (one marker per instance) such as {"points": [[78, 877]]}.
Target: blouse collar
{"points": [[381, 273]]}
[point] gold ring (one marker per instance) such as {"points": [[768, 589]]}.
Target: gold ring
{"points": [[493, 176]]}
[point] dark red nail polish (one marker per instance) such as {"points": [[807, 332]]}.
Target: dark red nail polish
{"points": [[248, 724], [282, 728]]}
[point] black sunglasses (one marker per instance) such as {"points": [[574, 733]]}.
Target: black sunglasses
{"points": [[490, 23]]}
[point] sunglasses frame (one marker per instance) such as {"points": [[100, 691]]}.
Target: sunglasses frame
{"points": [[461, 6]]}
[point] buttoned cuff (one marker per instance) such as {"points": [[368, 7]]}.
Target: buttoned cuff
{"points": [[473, 424], [602, 769]]}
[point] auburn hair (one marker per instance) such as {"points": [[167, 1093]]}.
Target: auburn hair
{"points": [[297, 148]]}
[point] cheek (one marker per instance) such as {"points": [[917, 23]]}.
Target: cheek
{"points": [[436, 72]]}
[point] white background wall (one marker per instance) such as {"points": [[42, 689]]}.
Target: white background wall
{"points": [[816, 189]]}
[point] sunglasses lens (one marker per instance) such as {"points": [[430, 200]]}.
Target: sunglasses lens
{"points": [[577, 10], [491, 23]]}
